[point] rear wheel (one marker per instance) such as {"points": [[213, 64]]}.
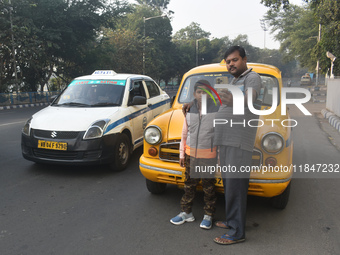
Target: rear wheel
{"points": [[121, 153], [281, 201], [155, 187]]}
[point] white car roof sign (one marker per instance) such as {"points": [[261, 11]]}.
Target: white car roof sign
{"points": [[104, 72]]}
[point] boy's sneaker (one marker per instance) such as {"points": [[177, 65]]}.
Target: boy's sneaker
{"points": [[182, 217], [206, 222]]}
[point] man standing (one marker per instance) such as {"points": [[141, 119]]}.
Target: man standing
{"points": [[236, 142]]}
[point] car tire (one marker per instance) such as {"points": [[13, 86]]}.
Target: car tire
{"points": [[281, 201], [121, 153], [155, 187]]}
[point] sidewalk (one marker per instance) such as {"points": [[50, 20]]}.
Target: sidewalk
{"points": [[328, 122], [22, 106]]}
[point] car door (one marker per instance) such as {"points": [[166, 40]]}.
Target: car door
{"points": [[140, 115], [156, 100]]}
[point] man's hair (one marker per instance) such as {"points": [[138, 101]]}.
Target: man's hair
{"points": [[201, 83], [232, 49]]}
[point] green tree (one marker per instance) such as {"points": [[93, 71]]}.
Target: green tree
{"points": [[52, 36], [191, 32], [299, 28], [158, 46], [329, 16], [159, 4], [296, 29], [121, 50]]}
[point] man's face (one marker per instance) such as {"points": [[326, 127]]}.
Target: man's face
{"points": [[236, 65], [199, 92]]}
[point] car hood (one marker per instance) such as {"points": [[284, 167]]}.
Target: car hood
{"points": [[70, 118], [175, 125]]}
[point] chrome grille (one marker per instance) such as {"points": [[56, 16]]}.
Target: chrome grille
{"points": [[169, 151], [56, 135]]}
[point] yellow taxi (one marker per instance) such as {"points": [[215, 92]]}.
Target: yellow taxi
{"points": [[271, 170]]}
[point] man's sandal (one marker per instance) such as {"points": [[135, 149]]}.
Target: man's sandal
{"points": [[226, 240], [221, 224]]}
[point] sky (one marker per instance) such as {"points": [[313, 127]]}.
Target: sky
{"points": [[225, 18]]}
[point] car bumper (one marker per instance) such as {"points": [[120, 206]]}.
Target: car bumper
{"points": [[79, 151], [157, 170]]}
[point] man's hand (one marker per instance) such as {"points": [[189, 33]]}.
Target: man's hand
{"points": [[181, 162], [226, 97]]}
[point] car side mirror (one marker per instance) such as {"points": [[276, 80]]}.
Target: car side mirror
{"points": [[138, 100]]}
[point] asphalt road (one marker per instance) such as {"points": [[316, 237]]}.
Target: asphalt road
{"points": [[76, 210]]}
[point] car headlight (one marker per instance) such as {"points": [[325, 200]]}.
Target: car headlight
{"points": [[96, 130], [153, 135], [27, 128], [273, 143]]}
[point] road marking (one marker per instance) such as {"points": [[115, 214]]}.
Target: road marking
{"points": [[7, 124]]}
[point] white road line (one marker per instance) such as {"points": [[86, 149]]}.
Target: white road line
{"points": [[7, 124]]}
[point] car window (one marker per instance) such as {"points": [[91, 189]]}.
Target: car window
{"points": [[136, 89], [187, 91], [266, 94], [265, 97], [92, 93], [152, 88]]}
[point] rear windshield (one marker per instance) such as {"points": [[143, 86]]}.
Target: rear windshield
{"points": [[92, 93]]}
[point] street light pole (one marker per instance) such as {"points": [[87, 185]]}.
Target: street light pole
{"points": [[264, 27], [145, 19], [317, 63]]}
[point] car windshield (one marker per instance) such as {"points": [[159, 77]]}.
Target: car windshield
{"points": [[92, 93], [265, 97]]}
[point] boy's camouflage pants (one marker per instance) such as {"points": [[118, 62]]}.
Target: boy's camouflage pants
{"points": [[190, 185]]}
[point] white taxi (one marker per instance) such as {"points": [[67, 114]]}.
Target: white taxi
{"points": [[97, 119]]}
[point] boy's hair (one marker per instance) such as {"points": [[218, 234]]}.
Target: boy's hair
{"points": [[202, 83], [232, 49]]}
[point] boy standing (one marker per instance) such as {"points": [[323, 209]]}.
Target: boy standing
{"points": [[196, 149]]}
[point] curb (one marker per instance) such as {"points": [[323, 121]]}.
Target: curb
{"points": [[333, 119], [8, 107]]}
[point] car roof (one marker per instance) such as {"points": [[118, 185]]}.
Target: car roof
{"points": [[112, 75], [221, 67]]}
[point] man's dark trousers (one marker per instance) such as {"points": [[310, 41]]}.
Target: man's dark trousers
{"points": [[235, 188]]}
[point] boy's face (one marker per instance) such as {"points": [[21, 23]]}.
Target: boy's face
{"points": [[199, 92]]}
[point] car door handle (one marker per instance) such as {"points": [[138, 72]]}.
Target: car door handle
{"points": [[149, 105]]}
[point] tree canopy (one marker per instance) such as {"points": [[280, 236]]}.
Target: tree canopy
{"points": [[297, 29], [41, 39]]}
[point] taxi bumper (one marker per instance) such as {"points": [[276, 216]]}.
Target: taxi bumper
{"points": [[79, 151], [157, 170]]}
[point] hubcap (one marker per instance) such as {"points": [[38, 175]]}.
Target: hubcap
{"points": [[123, 153]]}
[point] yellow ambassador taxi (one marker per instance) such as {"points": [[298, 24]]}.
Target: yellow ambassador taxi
{"points": [[272, 155]]}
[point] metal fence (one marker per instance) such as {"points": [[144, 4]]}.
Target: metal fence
{"points": [[8, 99], [22, 98]]}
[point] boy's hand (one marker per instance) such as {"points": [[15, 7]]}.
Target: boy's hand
{"points": [[181, 162], [186, 108]]}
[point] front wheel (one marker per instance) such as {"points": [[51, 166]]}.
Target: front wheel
{"points": [[281, 201], [155, 187], [121, 153]]}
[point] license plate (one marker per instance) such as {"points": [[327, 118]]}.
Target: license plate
{"points": [[52, 145]]}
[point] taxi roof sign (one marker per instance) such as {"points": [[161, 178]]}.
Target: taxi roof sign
{"points": [[104, 72]]}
